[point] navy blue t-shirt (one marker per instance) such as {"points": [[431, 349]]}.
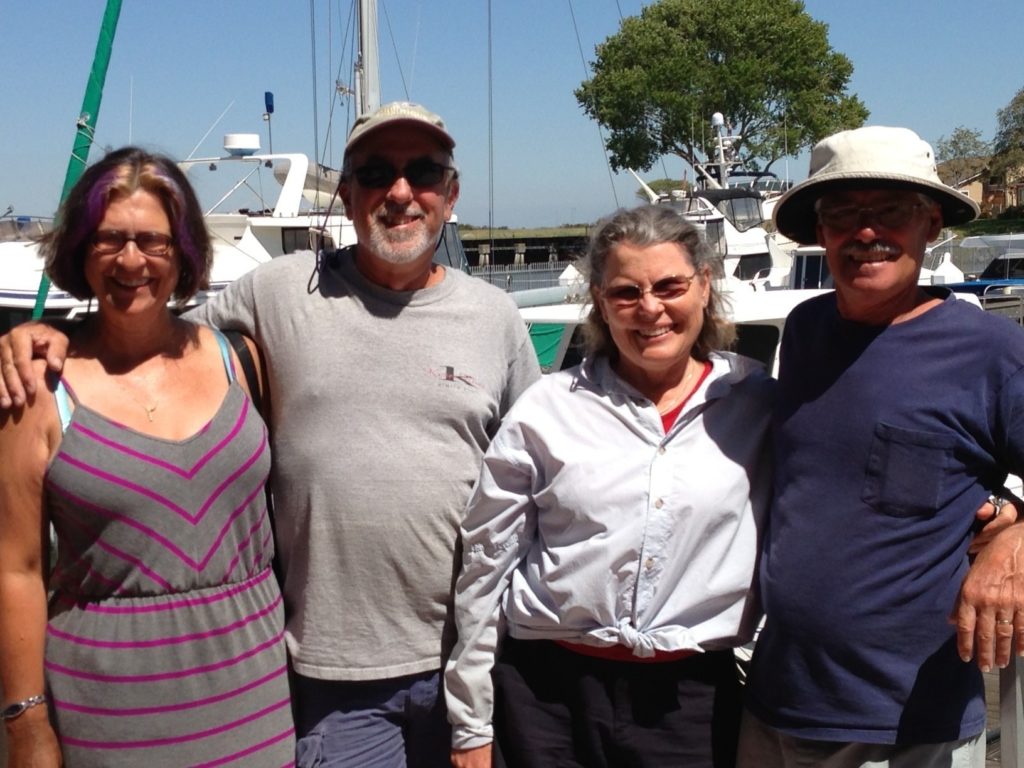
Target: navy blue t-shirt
{"points": [[887, 440]]}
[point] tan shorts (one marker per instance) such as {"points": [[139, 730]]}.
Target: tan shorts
{"points": [[764, 747]]}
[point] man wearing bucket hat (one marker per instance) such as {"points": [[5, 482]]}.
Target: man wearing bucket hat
{"points": [[388, 375], [900, 411]]}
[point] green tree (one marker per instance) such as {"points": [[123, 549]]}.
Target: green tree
{"points": [[1008, 154], [662, 187], [962, 155], [765, 64]]}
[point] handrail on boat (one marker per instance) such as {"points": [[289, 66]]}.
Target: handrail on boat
{"points": [[1011, 714]]}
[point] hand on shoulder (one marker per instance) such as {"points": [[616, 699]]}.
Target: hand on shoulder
{"points": [[18, 348]]}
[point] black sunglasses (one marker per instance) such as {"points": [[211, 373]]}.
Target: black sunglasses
{"points": [[421, 172], [108, 241]]}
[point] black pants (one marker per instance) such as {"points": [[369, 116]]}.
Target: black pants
{"points": [[554, 707]]}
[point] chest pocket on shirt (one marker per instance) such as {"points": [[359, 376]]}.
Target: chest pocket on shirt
{"points": [[906, 470]]}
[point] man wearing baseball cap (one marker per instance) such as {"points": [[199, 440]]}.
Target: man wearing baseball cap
{"points": [[900, 411], [387, 383], [388, 375]]}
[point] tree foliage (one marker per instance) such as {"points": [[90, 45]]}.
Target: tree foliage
{"points": [[962, 155], [1008, 153], [662, 187], [764, 64]]}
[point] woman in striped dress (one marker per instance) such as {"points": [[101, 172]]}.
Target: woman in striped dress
{"points": [[162, 644]]}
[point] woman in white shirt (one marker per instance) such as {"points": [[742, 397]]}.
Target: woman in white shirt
{"points": [[610, 544]]}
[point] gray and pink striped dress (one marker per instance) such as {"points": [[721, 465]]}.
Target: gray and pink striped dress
{"points": [[165, 640]]}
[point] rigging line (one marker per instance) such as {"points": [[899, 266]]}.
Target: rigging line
{"points": [[394, 47], [316, 115], [416, 44], [490, 134], [312, 63], [339, 88], [493, 257], [330, 99], [336, 90], [600, 133], [210, 130]]}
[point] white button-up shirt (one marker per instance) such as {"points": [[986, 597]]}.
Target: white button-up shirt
{"points": [[590, 524]]}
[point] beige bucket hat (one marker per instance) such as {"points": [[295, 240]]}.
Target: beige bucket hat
{"points": [[399, 112], [872, 157]]}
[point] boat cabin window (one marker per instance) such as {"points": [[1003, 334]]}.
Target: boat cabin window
{"points": [[714, 236], [810, 270], [751, 264], [305, 239]]}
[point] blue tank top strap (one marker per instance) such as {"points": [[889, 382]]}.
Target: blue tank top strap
{"points": [[60, 395], [225, 353]]}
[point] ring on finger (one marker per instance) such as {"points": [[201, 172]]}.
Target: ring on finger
{"points": [[998, 502], [1004, 621]]}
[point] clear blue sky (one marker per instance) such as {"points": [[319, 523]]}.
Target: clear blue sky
{"points": [[176, 67]]}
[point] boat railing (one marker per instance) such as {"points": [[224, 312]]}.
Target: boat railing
{"points": [[1007, 301], [521, 277], [1011, 714]]}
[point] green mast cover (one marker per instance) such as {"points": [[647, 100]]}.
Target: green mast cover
{"points": [[86, 121]]}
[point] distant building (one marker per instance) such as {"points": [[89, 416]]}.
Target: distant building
{"points": [[974, 178]]}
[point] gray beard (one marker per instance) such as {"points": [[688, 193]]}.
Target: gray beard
{"points": [[401, 249]]}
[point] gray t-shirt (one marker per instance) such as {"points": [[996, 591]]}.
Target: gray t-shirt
{"points": [[382, 404]]}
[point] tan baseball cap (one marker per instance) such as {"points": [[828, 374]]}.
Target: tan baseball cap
{"points": [[399, 112], [872, 157]]}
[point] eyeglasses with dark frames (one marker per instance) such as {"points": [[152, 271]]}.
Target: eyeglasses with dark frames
{"points": [[666, 289], [108, 241], [891, 215], [421, 172]]}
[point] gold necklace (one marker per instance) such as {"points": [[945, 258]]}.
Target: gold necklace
{"points": [[149, 409]]}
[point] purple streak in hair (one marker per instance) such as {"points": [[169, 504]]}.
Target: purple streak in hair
{"points": [[179, 226], [95, 206]]}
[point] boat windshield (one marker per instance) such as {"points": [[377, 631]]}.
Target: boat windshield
{"points": [[1009, 266], [742, 207], [743, 212]]}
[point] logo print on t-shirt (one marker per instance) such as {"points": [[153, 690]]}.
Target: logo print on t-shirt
{"points": [[448, 373]]}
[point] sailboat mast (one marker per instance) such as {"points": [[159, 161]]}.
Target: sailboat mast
{"points": [[368, 62], [86, 121]]}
